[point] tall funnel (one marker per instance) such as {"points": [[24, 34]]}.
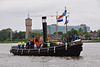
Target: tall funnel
{"points": [[44, 24]]}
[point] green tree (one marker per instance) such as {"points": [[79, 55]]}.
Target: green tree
{"points": [[80, 31], [5, 34], [19, 35], [35, 34], [87, 35], [54, 33], [69, 33], [60, 33], [73, 31], [98, 32], [64, 35]]}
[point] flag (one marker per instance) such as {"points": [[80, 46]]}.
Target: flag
{"points": [[66, 21], [64, 14], [60, 18]]}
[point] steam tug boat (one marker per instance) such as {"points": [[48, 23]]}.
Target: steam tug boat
{"points": [[55, 49]]}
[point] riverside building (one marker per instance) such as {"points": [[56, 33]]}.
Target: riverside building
{"points": [[52, 28]]}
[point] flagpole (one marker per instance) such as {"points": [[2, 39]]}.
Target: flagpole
{"points": [[57, 24], [66, 29], [66, 24]]}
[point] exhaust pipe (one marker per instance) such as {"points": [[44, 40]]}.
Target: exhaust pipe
{"points": [[44, 24]]}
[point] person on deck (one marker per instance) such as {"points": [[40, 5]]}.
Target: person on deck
{"points": [[48, 44], [19, 44], [70, 39], [32, 44], [27, 45], [23, 43], [75, 37]]}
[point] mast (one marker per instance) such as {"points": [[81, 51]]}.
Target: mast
{"points": [[66, 28], [66, 24], [57, 24]]}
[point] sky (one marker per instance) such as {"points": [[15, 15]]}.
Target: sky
{"points": [[14, 12]]}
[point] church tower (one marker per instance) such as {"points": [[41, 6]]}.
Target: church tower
{"points": [[28, 23]]}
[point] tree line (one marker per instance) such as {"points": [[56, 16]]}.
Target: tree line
{"points": [[78, 32], [9, 35]]}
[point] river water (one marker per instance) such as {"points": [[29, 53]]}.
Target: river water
{"points": [[89, 57]]}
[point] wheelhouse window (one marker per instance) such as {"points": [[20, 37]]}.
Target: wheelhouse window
{"points": [[41, 38]]}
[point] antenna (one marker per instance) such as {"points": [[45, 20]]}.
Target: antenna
{"points": [[28, 12], [65, 8]]}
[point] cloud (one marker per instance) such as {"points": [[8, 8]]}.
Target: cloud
{"points": [[14, 12]]}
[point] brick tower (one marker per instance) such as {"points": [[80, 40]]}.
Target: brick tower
{"points": [[28, 24]]}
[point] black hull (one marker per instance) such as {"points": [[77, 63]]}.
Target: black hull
{"points": [[60, 50]]}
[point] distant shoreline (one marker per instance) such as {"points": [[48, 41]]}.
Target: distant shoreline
{"points": [[84, 41]]}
